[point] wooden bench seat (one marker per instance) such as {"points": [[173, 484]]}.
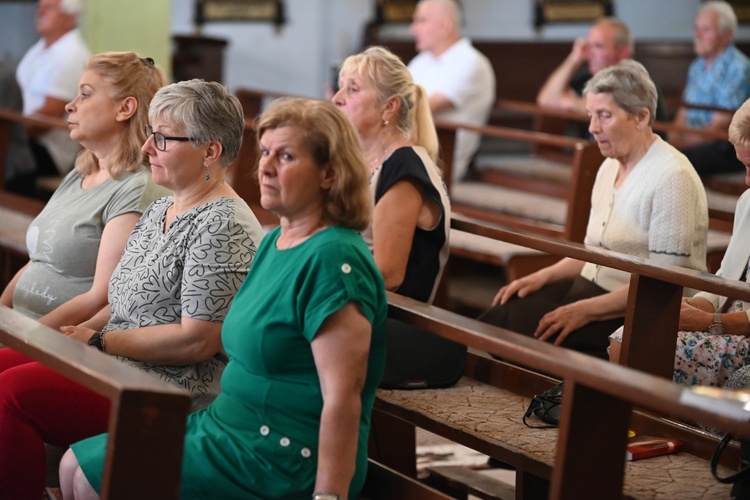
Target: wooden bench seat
{"points": [[489, 418], [510, 206], [585, 456], [526, 205], [550, 176]]}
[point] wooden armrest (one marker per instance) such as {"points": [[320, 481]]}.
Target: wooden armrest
{"points": [[12, 115], [147, 421], [516, 134], [659, 126], [644, 267], [640, 389]]}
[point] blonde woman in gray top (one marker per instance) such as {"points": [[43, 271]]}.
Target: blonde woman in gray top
{"points": [[76, 241]]}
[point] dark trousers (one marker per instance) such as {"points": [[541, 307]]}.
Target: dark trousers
{"points": [[25, 184], [715, 158], [523, 315]]}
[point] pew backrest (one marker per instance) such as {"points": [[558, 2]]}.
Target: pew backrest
{"points": [[147, 416]]}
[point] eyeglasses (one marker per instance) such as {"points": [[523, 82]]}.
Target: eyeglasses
{"points": [[160, 140]]}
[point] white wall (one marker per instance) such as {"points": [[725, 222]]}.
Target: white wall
{"points": [[295, 60]]}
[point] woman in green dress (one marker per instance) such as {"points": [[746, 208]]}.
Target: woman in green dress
{"points": [[305, 333]]}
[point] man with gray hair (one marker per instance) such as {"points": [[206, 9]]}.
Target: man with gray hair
{"points": [[458, 79], [720, 78], [48, 76]]}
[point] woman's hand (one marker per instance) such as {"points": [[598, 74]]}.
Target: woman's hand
{"points": [[521, 287], [693, 319], [696, 314], [562, 321], [80, 333]]}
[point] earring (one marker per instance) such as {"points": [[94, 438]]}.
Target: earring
{"points": [[208, 176], [385, 123]]}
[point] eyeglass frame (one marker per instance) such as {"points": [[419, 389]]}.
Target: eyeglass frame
{"points": [[150, 131]]}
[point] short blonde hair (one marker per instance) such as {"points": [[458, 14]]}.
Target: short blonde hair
{"points": [[739, 128], [332, 141], [126, 74]]}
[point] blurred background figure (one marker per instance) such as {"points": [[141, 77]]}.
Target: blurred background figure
{"points": [[48, 76], [719, 77], [459, 80]]}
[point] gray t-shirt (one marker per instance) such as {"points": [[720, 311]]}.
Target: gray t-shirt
{"points": [[63, 240], [192, 269]]}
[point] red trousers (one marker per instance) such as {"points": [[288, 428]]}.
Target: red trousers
{"points": [[39, 406]]}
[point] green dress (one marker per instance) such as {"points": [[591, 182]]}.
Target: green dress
{"points": [[259, 438]]}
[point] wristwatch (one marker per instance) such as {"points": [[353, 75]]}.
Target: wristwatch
{"points": [[326, 496], [97, 340], [717, 327]]}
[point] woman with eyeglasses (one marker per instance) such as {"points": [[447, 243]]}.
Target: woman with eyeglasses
{"points": [[168, 296]]}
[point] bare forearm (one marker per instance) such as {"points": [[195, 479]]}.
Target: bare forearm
{"points": [[75, 311], [172, 344], [564, 269], [608, 306], [556, 90], [337, 452]]}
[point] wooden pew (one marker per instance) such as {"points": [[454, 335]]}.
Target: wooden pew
{"points": [[654, 297], [147, 420], [523, 212], [500, 391], [585, 457]]}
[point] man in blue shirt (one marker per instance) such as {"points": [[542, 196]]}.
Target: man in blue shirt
{"points": [[718, 78]]}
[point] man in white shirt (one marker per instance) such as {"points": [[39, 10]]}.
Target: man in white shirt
{"points": [[458, 79], [48, 76]]}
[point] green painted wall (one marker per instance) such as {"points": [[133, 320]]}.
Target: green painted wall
{"points": [[142, 26]]}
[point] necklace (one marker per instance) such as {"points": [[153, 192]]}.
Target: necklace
{"points": [[209, 192], [375, 165]]}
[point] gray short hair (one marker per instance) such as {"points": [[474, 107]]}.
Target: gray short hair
{"points": [[630, 86], [207, 111], [72, 7], [726, 19]]}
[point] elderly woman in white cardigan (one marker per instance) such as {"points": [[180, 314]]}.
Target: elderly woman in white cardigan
{"points": [[713, 339], [647, 201]]}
